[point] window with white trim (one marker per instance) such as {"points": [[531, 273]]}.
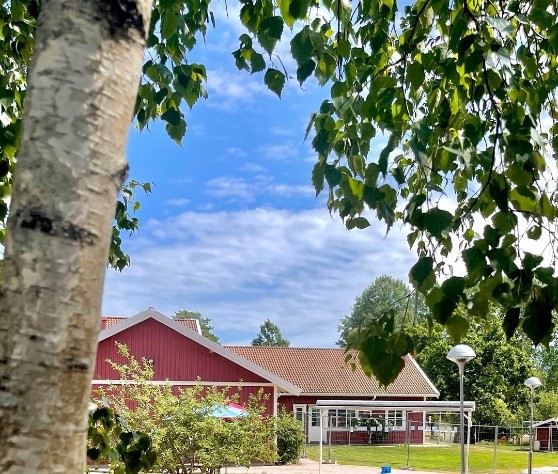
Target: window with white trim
{"points": [[299, 412], [395, 418], [315, 418], [341, 418]]}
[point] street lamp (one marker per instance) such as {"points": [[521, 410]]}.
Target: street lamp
{"points": [[461, 354], [532, 383]]}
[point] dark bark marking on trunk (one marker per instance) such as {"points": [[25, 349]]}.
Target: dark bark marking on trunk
{"points": [[74, 365], [36, 219], [121, 17]]}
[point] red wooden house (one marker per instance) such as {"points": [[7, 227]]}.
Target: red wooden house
{"points": [[293, 377]]}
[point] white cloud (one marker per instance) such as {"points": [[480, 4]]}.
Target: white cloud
{"points": [[261, 185], [280, 131], [230, 90], [231, 187], [236, 151], [178, 202], [253, 168], [278, 151], [292, 190], [301, 270]]}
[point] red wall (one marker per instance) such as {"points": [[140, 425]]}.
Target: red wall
{"points": [[175, 356]]}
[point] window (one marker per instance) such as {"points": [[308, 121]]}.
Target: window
{"points": [[299, 412], [341, 418], [395, 418], [315, 417]]}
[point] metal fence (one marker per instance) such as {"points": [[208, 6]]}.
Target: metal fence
{"points": [[354, 439]]}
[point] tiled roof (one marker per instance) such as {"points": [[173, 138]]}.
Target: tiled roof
{"points": [[108, 321], [190, 324], [324, 371]]}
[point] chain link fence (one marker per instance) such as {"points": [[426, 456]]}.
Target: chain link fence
{"points": [[400, 439]]}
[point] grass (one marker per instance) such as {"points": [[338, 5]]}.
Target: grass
{"points": [[438, 458]]}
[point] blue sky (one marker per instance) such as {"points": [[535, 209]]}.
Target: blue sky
{"points": [[232, 228]]}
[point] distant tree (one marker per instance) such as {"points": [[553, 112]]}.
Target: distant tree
{"points": [[385, 295], [205, 323], [270, 335], [546, 359], [546, 404], [494, 378]]}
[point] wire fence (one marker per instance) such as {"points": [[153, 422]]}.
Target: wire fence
{"points": [[427, 441]]}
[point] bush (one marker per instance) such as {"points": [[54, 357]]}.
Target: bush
{"points": [[182, 427], [290, 438]]}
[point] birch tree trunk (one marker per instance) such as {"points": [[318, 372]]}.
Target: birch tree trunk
{"points": [[82, 87]]}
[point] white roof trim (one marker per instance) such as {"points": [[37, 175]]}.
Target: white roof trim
{"points": [[444, 406], [369, 394], [536, 424], [423, 373], [203, 341]]}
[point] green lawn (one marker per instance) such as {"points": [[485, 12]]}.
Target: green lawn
{"points": [[509, 459]]}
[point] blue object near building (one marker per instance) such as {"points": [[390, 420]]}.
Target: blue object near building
{"points": [[386, 469]]}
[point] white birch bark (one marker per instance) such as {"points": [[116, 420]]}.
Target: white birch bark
{"points": [[82, 88]]}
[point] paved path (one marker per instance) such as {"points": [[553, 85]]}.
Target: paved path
{"points": [[307, 466]]}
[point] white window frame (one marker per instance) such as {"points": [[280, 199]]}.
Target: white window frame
{"points": [[396, 419], [299, 412]]}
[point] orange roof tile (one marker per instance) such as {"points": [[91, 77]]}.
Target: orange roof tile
{"points": [[108, 321], [324, 372]]}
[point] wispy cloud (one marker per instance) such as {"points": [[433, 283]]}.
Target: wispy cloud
{"points": [[278, 151], [253, 168], [261, 185], [231, 187], [281, 131], [178, 202], [229, 90], [302, 270], [235, 151]]}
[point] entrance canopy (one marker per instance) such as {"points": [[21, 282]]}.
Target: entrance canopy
{"points": [[409, 406], [430, 406]]}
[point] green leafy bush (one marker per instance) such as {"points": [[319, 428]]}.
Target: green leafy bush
{"points": [[109, 440], [186, 434], [290, 438]]}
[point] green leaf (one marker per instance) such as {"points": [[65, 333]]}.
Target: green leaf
{"points": [[172, 116], [292, 10], [437, 221], [503, 26], [537, 322], [274, 80], [465, 43], [177, 132], [421, 274], [358, 222], [257, 62], [415, 74], [510, 322], [305, 70], [384, 364], [332, 175], [169, 25], [457, 327], [270, 33], [318, 174], [531, 261]]}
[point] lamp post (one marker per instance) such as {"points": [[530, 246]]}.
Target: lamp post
{"points": [[532, 383], [461, 354]]}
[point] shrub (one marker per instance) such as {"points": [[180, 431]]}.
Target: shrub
{"points": [[182, 427], [290, 438], [109, 440]]}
